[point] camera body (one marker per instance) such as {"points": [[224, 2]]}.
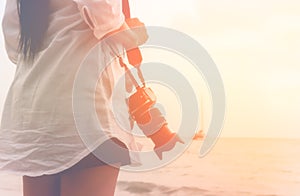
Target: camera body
{"points": [[151, 121], [139, 104]]}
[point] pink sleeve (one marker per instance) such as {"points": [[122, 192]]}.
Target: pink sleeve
{"points": [[102, 16]]}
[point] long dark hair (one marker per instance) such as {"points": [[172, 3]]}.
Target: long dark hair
{"points": [[34, 20]]}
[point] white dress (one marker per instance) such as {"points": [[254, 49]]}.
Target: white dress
{"points": [[38, 132]]}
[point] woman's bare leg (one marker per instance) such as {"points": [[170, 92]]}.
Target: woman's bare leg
{"points": [[95, 181], [46, 185]]}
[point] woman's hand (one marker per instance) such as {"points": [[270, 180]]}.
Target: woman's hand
{"points": [[139, 29], [131, 34]]}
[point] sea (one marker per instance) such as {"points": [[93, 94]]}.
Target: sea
{"points": [[234, 167]]}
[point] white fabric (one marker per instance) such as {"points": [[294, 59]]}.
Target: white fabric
{"points": [[96, 13], [38, 133]]}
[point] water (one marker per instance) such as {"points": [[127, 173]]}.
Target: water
{"points": [[261, 167], [234, 167]]}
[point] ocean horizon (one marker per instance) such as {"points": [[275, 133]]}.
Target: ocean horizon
{"points": [[235, 166]]}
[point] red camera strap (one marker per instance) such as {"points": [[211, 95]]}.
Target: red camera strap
{"points": [[126, 8], [134, 55]]}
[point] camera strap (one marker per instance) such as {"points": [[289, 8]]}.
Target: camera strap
{"points": [[129, 73], [134, 55], [126, 8]]}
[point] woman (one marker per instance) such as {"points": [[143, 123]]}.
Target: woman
{"points": [[38, 136]]}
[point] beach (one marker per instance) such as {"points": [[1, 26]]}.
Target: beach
{"points": [[235, 166]]}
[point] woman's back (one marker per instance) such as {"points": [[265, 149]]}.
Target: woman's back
{"points": [[38, 113], [45, 85]]}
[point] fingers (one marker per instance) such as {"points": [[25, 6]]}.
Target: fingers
{"points": [[141, 34], [130, 35], [139, 29], [134, 22]]}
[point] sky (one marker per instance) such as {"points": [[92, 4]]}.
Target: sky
{"points": [[256, 47]]}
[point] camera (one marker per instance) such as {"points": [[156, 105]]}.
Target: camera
{"points": [[151, 121], [142, 110]]}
